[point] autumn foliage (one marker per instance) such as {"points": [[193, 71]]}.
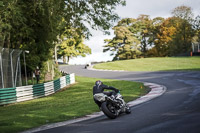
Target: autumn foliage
{"points": [[158, 37]]}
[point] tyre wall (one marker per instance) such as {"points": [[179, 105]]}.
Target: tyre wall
{"points": [[24, 93]]}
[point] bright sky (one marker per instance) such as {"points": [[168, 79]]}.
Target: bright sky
{"points": [[133, 8]]}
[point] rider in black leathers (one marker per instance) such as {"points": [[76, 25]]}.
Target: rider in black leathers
{"points": [[99, 88]]}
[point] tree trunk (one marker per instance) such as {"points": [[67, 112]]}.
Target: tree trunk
{"points": [[64, 59], [2, 40], [7, 42], [144, 45], [68, 57], [56, 58]]}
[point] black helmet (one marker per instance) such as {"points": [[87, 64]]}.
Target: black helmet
{"points": [[98, 82]]}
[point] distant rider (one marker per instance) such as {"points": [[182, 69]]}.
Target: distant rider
{"points": [[99, 88]]}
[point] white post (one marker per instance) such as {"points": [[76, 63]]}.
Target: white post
{"points": [[16, 71], [11, 60], [20, 76], [25, 68], [1, 61]]}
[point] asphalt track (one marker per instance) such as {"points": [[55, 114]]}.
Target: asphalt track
{"points": [[176, 111]]}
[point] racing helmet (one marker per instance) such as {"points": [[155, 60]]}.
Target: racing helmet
{"points": [[98, 82]]}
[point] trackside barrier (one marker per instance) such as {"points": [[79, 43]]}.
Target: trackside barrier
{"points": [[24, 93]]}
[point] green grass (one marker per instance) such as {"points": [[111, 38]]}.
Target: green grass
{"points": [[70, 103], [154, 64]]}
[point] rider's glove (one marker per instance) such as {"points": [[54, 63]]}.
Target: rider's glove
{"points": [[117, 91]]}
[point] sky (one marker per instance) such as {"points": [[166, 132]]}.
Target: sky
{"points": [[133, 8]]}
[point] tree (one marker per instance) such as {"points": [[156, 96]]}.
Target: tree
{"points": [[34, 25], [145, 23], [139, 34], [30, 25], [183, 12], [98, 14], [141, 29], [163, 37], [154, 29], [124, 45], [72, 45], [184, 33]]}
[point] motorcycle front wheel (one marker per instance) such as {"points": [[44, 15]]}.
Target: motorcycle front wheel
{"points": [[127, 109], [109, 110]]}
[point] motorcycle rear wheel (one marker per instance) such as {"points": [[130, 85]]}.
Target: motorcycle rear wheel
{"points": [[110, 114]]}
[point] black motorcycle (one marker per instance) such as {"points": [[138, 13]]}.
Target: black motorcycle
{"points": [[112, 105]]}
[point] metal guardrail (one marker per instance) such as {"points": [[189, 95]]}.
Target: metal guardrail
{"points": [[24, 93]]}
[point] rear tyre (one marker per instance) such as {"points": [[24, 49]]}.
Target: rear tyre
{"points": [[109, 110]]}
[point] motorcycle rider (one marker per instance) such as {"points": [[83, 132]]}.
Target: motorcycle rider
{"points": [[99, 88]]}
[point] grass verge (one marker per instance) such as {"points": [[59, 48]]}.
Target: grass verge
{"points": [[70, 103], [154, 64]]}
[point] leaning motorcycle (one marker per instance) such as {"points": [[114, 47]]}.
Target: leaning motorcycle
{"points": [[112, 105]]}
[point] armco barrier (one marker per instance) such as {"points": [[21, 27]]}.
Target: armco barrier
{"points": [[24, 93]]}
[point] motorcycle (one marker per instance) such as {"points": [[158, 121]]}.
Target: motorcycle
{"points": [[112, 105]]}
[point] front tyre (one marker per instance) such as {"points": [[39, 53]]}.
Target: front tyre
{"points": [[128, 110], [109, 110]]}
